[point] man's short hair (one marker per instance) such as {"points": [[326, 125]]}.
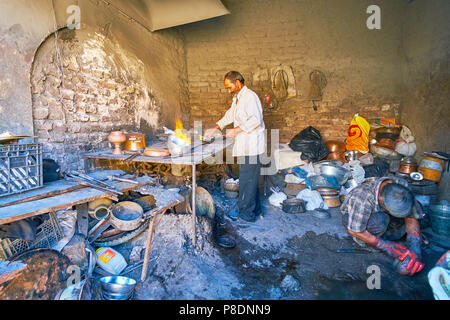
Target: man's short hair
{"points": [[233, 76]]}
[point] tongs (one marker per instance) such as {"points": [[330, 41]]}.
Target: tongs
{"points": [[134, 155]]}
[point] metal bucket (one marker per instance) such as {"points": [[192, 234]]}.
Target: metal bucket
{"points": [[117, 287], [440, 218]]}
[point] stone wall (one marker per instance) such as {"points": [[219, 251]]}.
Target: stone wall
{"points": [[362, 66], [111, 74]]}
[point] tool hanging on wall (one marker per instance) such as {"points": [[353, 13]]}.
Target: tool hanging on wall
{"points": [[318, 83], [280, 85]]}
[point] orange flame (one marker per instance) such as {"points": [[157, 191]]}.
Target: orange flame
{"points": [[179, 132]]}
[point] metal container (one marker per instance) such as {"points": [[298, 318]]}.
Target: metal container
{"points": [[293, 206], [332, 201], [117, 287], [126, 215], [386, 143], [431, 168], [134, 142], [440, 218], [351, 155], [341, 174]]}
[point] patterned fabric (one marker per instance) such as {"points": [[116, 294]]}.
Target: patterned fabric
{"points": [[362, 201]]}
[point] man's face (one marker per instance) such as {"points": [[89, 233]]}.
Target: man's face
{"points": [[232, 87]]}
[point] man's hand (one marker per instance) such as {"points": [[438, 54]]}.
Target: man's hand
{"points": [[400, 253], [231, 133], [210, 132]]}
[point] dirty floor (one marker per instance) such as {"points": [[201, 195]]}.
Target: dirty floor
{"points": [[281, 256]]}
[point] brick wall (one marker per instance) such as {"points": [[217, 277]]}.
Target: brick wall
{"points": [[101, 88], [362, 67]]}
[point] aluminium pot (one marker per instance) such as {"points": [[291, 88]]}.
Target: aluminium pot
{"points": [[293, 206]]}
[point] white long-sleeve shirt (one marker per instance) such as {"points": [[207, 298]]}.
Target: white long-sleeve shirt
{"points": [[246, 112]]}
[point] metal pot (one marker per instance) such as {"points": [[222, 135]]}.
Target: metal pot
{"points": [[386, 143], [335, 146], [126, 215], [351, 155], [331, 201], [407, 168], [135, 142], [293, 205]]}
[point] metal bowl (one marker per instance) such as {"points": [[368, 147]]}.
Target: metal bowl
{"points": [[117, 287], [340, 173]]}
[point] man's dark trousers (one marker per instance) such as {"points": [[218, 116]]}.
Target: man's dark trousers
{"points": [[248, 201]]}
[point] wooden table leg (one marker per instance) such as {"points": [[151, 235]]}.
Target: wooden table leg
{"points": [[194, 215], [82, 219], [148, 244]]}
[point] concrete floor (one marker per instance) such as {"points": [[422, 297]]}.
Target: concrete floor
{"points": [[281, 256]]}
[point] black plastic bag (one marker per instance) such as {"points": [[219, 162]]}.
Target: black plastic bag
{"points": [[309, 142]]}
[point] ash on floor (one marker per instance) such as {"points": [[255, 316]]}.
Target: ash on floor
{"points": [[281, 256]]}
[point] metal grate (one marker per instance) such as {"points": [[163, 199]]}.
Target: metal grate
{"points": [[20, 168]]}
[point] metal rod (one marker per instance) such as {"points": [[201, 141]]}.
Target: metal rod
{"points": [[194, 216]]}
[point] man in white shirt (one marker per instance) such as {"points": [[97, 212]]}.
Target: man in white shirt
{"points": [[250, 142]]}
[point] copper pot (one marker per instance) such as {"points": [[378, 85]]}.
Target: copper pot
{"points": [[135, 142], [386, 143], [335, 146], [332, 201], [407, 168], [337, 156]]}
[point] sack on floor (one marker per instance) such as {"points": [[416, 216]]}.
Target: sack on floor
{"points": [[309, 142]]}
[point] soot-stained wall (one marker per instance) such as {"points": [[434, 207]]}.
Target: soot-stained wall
{"points": [[362, 67]]}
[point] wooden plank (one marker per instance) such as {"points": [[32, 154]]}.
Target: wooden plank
{"points": [[30, 209], [9, 270], [48, 187], [82, 219]]}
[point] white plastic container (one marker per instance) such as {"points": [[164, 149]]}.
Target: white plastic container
{"points": [[110, 260]]}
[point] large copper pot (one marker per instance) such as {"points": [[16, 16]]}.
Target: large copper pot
{"points": [[135, 142], [335, 146], [337, 150]]}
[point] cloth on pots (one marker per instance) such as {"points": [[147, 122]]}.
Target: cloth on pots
{"points": [[312, 198], [277, 198], [358, 134], [405, 144]]}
